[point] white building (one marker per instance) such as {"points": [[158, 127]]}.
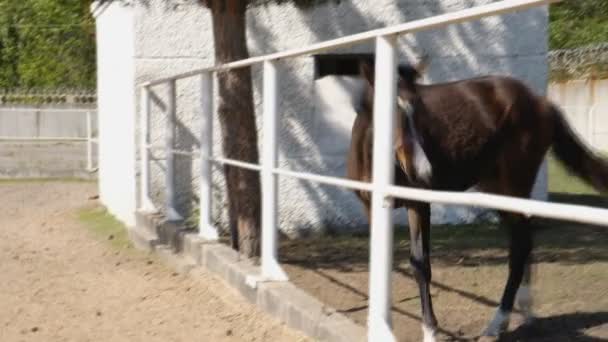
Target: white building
{"points": [[144, 40]]}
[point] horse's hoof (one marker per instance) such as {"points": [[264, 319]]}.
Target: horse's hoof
{"points": [[499, 324], [487, 339], [429, 334], [529, 320]]}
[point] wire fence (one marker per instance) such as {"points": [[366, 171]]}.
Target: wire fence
{"points": [[43, 97], [49, 125], [584, 62]]}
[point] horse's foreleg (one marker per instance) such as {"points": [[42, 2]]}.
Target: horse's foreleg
{"points": [[419, 216], [367, 208], [523, 298], [519, 255]]}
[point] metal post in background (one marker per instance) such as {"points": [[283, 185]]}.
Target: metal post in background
{"points": [[144, 140], [38, 123], [172, 214], [381, 244], [206, 229], [89, 142], [591, 126]]}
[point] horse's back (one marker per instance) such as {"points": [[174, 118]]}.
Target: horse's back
{"points": [[490, 93], [467, 124]]}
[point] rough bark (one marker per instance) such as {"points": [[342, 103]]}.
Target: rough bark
{"points": [[238, 126]]}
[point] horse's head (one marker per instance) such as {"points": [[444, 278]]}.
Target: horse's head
{"points": [[408, 75], [406, 139]]}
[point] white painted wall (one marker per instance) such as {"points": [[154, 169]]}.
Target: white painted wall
{"points": [[585, 107], [116, 108], [158, 38], [176, 37]]}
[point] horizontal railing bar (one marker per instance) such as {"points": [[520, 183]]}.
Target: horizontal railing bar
{"points": [[186, 153], [45, 110], [217, 160], [347, 183], [174, 151], [194, 153], [42, 139], [244, 165], [527, 207], [478, 12], [155, 147]]}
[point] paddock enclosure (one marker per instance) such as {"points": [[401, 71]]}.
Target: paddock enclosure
{"points": [[176, 143], [47, 135]]}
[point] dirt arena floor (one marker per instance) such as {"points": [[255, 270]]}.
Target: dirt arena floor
{"points": [[60, 281], [570, 288]]}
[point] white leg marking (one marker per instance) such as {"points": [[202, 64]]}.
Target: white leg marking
{"points": [[405, 105], [429, 333], [499, 323], [421, 163], [523, 298], [422, 166]]}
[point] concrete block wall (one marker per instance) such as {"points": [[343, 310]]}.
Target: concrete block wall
{"points": [[28, 122], [51, 159], [172, 37], [44, 159]]}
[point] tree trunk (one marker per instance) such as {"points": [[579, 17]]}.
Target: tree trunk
{"points": [[238, 126]]}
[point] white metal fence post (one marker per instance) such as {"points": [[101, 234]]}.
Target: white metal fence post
{"points": [[381, 244], [144, 151], [270, 265], [172, 214], [591, 126], [89, 142], [38, 123], [205, 226]]}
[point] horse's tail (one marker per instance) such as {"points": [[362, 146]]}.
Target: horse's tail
{"points": [[576, 156]]}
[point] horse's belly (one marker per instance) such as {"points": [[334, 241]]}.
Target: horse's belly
{"points": [[450, 177]]}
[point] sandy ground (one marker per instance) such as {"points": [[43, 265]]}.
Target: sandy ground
{"points": [[570, 288], [59, 282]]}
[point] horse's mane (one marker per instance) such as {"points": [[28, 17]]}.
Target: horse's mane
{"points": [[408, 74]]}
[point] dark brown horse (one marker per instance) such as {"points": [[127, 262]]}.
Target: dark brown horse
{"points": [[490, 132]]}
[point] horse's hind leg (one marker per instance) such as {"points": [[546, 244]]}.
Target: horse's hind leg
{"points": [[419, 216], [517, 184], [520, 247]]}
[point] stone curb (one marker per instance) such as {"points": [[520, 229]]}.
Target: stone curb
{"points": [[283, 300]]}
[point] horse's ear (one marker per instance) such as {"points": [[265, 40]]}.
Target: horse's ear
{"points": [[366, 69], [423, 64]]}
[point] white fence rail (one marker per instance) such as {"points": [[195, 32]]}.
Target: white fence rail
{"points": [[38, 136], [379, 321]]}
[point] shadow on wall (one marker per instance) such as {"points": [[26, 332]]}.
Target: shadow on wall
{"points": [[185, 167], [508, 44], [489, 46]]}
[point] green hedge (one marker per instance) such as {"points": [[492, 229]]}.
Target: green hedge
{"points": [[46, 44]]}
